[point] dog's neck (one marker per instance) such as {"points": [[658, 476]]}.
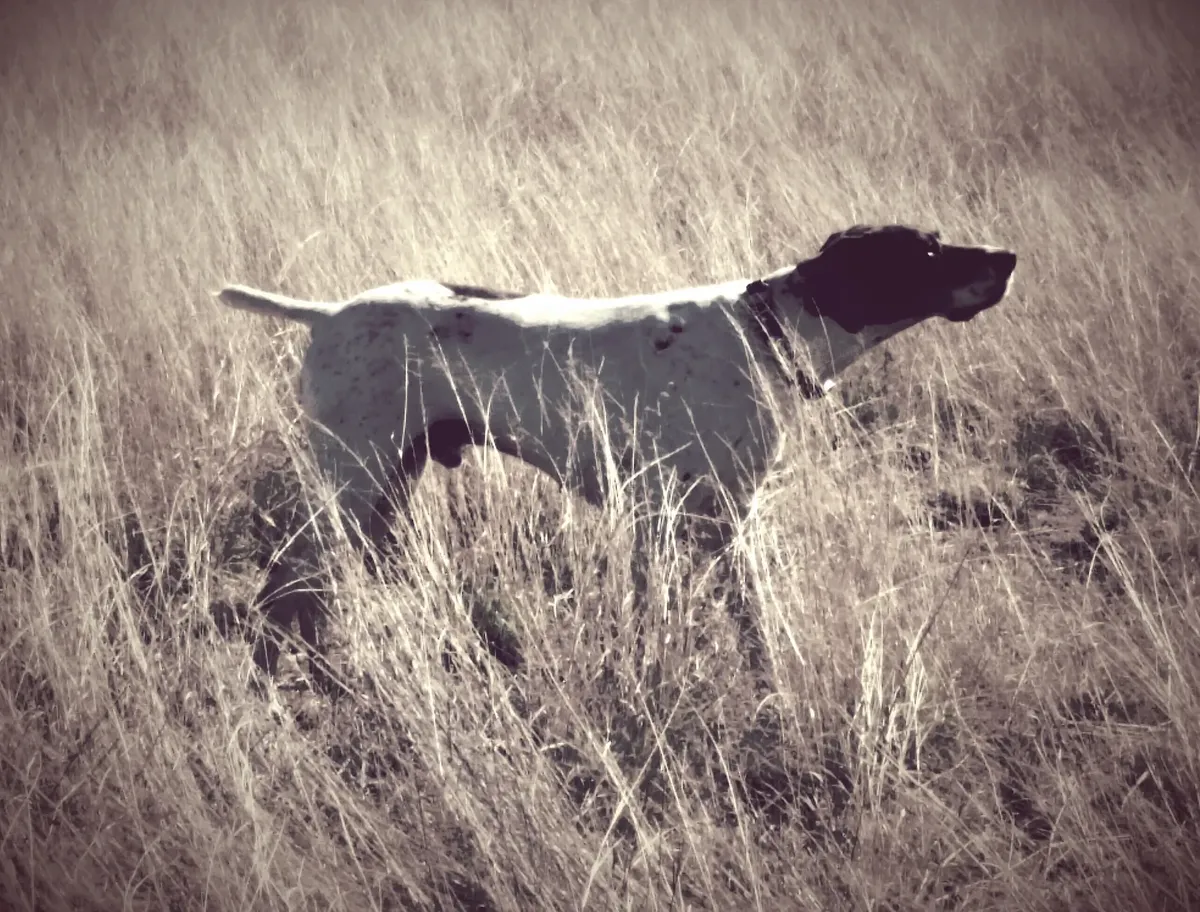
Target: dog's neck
{"points": [[771, 334]]}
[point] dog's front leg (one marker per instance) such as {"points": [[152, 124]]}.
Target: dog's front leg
{"points": [[716, 537], [644, 601], [735, 580]]}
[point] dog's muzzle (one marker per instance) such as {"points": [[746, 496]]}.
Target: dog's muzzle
{"points": [[974, 297]]}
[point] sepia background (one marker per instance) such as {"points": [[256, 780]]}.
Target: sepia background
{"points": [[977, 567]]}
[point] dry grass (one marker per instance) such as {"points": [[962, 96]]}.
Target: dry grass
{"points": [[978, 571]]}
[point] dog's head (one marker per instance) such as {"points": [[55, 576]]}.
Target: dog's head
{"points": [[879, 276], [868, 284]]}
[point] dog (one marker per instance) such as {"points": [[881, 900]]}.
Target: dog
{"points": [[679, 388]]}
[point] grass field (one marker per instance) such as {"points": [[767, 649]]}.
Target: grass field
{"points": [[978, 570]]}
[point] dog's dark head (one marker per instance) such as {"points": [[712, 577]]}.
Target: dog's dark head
{"points": [[867, 284], [893, 274]]}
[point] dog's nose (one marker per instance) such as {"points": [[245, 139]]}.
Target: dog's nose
{"points": [[1004, 262]]}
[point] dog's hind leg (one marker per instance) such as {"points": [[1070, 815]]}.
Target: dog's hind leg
{"points": [[298, 587], [443, 443]]}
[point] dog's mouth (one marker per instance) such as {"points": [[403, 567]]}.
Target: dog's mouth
{"points": [[973, 298]]}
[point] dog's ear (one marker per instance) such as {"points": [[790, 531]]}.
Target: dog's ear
{"points": [[811, 271], [813, 279]]}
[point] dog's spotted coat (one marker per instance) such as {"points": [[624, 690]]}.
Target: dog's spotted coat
{"points": [[678, 383]]}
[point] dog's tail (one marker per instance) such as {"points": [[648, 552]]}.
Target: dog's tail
{"points": [[276, 305]]}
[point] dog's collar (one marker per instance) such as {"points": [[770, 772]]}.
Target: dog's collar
{"points": [[767, 326]]}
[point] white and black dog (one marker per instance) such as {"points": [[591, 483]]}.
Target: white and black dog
{"points": [[675, 386]]}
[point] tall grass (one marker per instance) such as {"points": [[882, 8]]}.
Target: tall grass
{"points": [[976, 568]]}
